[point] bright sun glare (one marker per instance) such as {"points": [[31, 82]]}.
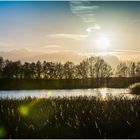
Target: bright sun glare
{"points": [[103, 93], [103, 41]]}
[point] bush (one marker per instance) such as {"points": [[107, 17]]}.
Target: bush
{"points": [[135, 88]]}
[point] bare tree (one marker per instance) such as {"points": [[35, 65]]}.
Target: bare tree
{"points": [[122, 69], [59, 71], [33, 70], [1, 66], [91, 66], [82, 70], [69, 70], [27, 72], [131, 69], [138, 69], [106, 71]]}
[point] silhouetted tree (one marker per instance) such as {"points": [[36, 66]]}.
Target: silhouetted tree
{"points": [[52, 70], [45, 70], [69, 70], [59, 71], [27, 72], [99, 67], [38, 69], [16, 67], [102, 69], [138, 69], [1, 66], [106, 71], [91, 66], [8, 70], [82, 70], [122, 69], [33, 70], [131, 69]]}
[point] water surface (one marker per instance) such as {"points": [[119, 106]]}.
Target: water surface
{"points": [[99, 92]]}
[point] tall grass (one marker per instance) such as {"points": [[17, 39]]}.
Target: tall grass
{"points": [[73, 117]]}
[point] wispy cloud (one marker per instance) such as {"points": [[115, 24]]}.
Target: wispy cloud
{"points": [[7, 44], [68, 36], [91, 29], [51, 46], [127, 54], [127, 51], [85, 10]]}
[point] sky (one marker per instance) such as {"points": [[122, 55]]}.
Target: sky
{"points": [[82, 27]]}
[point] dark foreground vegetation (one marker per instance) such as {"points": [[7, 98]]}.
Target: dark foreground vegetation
{"points": [[75, 117], [135, 88]]}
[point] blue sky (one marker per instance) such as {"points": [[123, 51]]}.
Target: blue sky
{"points": [[64, 25]]}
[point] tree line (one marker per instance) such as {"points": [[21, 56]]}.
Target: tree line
{"points": [[128, 69], [92, 67]]}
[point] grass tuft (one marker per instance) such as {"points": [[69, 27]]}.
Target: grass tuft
{"points": [[73, 117]]}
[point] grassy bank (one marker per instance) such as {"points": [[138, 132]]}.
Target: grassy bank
{"points": [[135, 88], [12, 84], [75, 117]]}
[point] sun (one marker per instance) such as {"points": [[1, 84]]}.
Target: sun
{"points": [[103, 41]]}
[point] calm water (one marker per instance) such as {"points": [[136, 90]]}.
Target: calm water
{"points": [[101, 92]]}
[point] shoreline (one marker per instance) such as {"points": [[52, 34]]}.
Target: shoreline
{"points": [[38, 84]]}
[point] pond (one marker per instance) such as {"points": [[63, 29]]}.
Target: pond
{"points": [[98, 92]]}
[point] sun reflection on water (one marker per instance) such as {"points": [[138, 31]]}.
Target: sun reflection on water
{"points": [[103, 92]]}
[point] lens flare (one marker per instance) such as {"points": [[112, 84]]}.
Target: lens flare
{"points": [[24, 110], [2, 132]]}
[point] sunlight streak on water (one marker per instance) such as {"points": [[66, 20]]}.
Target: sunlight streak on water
{"points": [[46, 94], [103, 92]]}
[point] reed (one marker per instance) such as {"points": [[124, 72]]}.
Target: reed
{"points": [[73, 117]]}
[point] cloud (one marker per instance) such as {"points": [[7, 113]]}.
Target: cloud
{"points": [[85, 10], [68, 36], [127, 51], [7, 44], [133, 55], [51, 47], [91, 29]]}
